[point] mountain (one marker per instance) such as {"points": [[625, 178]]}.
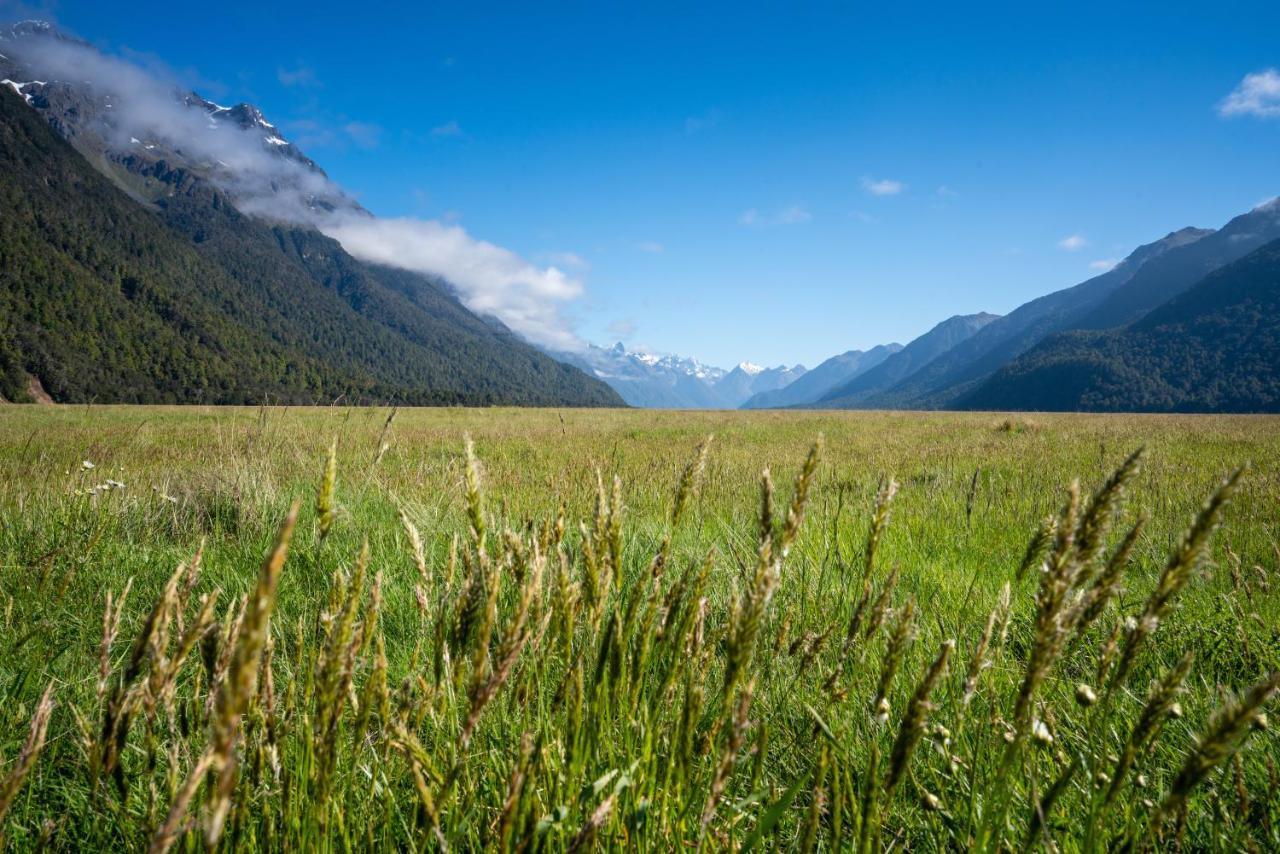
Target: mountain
{"points": [[133, 271], [656, 381], [648, 380], [812, 385], [746, 380], [907, 361], [1213, 348], [1163, 278], [944, 380], [152, 140]]}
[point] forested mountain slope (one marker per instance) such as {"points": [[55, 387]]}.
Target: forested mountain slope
{"points": [[192, 301], [1214, 348]]}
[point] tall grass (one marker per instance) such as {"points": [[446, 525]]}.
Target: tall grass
{"points": [[569, 670]]}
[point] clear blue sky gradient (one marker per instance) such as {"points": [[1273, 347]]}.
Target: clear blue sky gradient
{"points": [[608, 133]]}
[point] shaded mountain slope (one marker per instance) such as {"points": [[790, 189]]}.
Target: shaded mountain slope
{"points": [[1214, 348], [826, 376], [746, 380], [942, 381], [1163, 278], [920, 352]]}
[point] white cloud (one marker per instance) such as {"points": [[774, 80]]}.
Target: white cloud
{"points": [[301, 77], [567, 259], [1073, 243], [883, 186], [793, 214], [1102, 265], [147, 105], [946, 192], [1258, 94], [363, 134], [489, 279], [790, 215], [695, 124], [449, 128], [622, 328], [653, 247]]}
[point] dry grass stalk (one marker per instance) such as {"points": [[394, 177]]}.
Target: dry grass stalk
{"points": [[1177, 572], [326, 508], [1159, 700], [27, 755], [241, 683], [914, 719], [1227, 730]]}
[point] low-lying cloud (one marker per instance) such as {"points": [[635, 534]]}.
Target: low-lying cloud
{"points": [[149, 107], [141, 108], [488, 278]]}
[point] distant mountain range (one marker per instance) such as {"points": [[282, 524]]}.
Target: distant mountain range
{"points": [[1186, 323], [920, 352], [675, 382], [815, 384], [153, 267]]}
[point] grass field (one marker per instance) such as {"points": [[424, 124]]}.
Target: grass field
{"points": [[567, 662]]}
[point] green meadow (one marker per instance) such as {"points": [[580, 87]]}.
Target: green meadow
{"points": [[338, 629]]}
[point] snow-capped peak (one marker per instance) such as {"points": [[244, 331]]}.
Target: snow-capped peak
{"points": [[750, 368], [18, 87]]}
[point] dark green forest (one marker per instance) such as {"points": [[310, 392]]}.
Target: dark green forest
{"points": [[190, 301]]}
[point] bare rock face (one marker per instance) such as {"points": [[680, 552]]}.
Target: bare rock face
{"points": [[35, 390]]}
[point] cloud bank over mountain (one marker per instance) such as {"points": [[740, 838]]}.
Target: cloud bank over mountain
{"points": [[266, 175]]}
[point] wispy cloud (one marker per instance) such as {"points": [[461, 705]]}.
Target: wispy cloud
{"points": [[1258, 94], [363, 134], [946, 192], [1102, 265], [696, 124], [567, 260], [302, 77], [621, 328], [1073, 242], [489, 279], [449, 128], [22, 10], [882, 186], [653, 247], [790, 215], [339, 134]]}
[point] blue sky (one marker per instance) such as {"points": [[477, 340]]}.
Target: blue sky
{"points": [[755, 181]]}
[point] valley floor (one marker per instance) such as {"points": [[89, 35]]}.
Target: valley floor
{"points": [[549, 683]]}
